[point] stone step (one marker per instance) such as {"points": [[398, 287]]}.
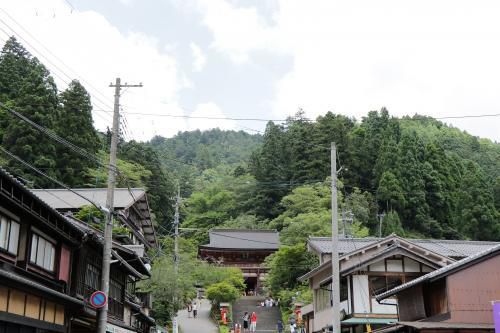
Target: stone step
{"points": [[267, 317]]}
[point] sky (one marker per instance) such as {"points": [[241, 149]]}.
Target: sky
{"points": [[266, 59]]}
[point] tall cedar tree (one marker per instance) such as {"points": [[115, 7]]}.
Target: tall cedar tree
{"points": [[161, 190], [74, 123], [27, 87]]}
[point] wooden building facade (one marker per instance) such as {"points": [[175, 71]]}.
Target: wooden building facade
{"points": [[50, 264], [457, 298], [36, 252]]}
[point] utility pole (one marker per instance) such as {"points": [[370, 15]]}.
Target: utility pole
{"points": [[335, 243], [176, 252], [347, 218], [380, 219], [108, 228]]}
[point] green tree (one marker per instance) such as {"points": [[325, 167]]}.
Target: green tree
{"points": [[389, 193], [286, 265], [269, 166], [158, 181], [74, 123], [28, 88], [391, 224]]}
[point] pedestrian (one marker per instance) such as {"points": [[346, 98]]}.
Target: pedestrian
{"points": [[292, 323], [253, 322], [279, 326], [195, 309], [245, 318], [190, 309]]}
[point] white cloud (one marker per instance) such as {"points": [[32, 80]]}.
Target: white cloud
{"points": [[98, 52], [435, 58], [210, 110], [237, 30], [126, 2], [199, 58]]}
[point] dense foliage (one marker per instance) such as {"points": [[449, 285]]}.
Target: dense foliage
{"points": [[437, 181], [171, 292]]}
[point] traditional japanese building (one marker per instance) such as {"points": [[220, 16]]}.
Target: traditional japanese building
{"points": [[131, 207], [128, 309], [245, 249], [37, 246], [455, 298], [369, 267]]}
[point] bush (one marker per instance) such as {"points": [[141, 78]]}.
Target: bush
{"points": [[222, 292]]}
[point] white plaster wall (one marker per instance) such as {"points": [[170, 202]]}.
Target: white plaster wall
{"points": [[378, 266], [411, 265], [361, 294], [384, 308], [324, 318], [394, 265]]}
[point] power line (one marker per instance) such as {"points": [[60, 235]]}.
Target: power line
{"points": [[51, 53], [28, 165], [56, 137], [194, 117]]}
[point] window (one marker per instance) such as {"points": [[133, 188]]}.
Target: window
{"points": [[42, 252], [380, 284], [116, 294], [92, 276], [323, 299], [9, 234], [344, 292], [324, 294]]}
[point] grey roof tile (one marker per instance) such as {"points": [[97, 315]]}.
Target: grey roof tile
{"points": [[243, 239], [449, 248], [63, 199]]}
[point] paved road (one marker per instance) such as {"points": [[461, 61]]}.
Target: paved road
{"points": [[202, 324]]}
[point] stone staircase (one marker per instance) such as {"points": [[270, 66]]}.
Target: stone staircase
{"points": [[266, 317]]}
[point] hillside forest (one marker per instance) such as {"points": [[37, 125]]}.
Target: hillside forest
{"points": [[427, 178]]}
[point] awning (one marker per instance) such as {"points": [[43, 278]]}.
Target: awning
{"points": [[372, 321], [39, 287]]}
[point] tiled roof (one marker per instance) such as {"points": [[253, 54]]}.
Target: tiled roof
{"points": [[33, 195], [448, 248], [458, 265], [243, 239], [63, 199]]}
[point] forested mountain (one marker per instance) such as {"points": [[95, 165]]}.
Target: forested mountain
{"points": [[430, 180]]}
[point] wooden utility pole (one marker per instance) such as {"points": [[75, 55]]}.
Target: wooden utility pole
{"points": [[176, 253], [380, 220], [108, 227], [335, 243]]}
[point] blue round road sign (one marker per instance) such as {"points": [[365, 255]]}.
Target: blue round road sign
{"points": [[98, 299]]}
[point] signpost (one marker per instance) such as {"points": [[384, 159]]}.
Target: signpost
{"points": [[98, 299]]}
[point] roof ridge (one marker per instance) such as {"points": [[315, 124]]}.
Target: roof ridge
{"points": [[87, 189], [244, 230]]}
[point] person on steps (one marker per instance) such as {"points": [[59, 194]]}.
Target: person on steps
{"points": [[253, 322], [245, 318], [279, 326]]}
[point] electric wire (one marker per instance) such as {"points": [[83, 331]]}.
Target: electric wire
{"points": [[43, 174]]}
